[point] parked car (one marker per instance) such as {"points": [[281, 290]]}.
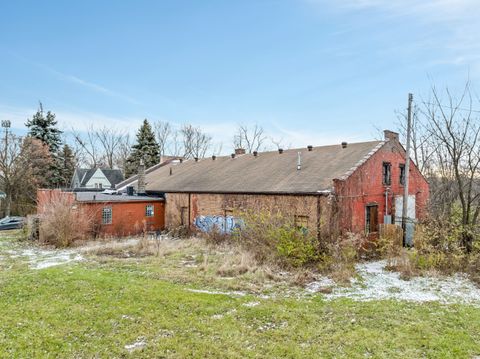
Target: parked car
{"points": [[12, 223]]}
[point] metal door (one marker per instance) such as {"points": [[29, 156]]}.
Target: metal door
{"points": [[411, 219]]}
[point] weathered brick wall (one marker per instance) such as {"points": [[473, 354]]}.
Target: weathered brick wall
{"points": [[365, 186], [47, 196], [128, 218], [196, 204]]}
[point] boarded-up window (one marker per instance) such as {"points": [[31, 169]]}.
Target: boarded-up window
{"points": [[371, 218], [107, 215], [183, 216], [402, 174], [301, 221], [387, 173], [149, 212]]}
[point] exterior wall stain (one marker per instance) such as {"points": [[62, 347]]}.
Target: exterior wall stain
{"points": [[365, 186], [225, 205]]}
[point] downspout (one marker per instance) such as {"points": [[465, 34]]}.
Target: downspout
{"points": [[189, 210], [319, 217]]}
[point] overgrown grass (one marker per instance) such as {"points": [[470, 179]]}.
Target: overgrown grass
{"points": [[97, 307], [438, 248]]}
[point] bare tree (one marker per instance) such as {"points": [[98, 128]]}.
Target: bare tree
{"points": [[163, 133], [195, 142], [175, 147], [110, 141], [447, 147], [123, 151], [24, 165], [89, 145], [249, 139]]}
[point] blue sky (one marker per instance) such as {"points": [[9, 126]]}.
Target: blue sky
{"points": [[309, 71]]}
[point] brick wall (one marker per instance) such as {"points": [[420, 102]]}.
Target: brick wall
{"points": [[365, 186], [128, 217], [196, 204]]}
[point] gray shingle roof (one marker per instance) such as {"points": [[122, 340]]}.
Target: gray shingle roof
{"points": [[114, 176], [102, 197], [269, 172]]}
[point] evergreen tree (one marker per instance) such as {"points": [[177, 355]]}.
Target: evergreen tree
{"points": [[66, 166], [146, 148], [43, 127]]}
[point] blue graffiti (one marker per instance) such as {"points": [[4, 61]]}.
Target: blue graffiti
{"points": [[222, 224]]}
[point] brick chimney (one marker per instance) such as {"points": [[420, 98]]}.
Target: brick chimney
{"points": [[390, 135], [239, 151], [141, 178]]}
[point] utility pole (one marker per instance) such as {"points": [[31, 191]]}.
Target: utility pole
{"points": [[407, 171], [8, 195]]}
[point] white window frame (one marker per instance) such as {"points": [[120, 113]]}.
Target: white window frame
{"points": [[149, 210], [107, 215]]}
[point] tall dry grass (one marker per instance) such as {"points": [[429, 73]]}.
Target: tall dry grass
{"points": [[62, 223]]}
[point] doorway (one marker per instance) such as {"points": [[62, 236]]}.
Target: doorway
{"points": [[371, 218]]}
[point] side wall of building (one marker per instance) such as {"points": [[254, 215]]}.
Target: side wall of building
{"points": [[187, 208], [365, 187], [128, 218]]}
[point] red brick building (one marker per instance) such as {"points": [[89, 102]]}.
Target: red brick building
{"points": [[327, 189], [111, 214]]}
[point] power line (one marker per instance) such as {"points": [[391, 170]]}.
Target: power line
{"points": [[450, 107]]}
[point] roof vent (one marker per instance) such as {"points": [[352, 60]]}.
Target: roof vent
{"points": [[344, 144], [181, 160], [310, 147], [239, 151], [299, 161], [214, 157], [255, 153], [233, 155], [280, 150], [196, 159], [171, 171]]}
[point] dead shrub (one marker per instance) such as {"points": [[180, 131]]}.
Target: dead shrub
{"points": [[340, 257], [238, 263], [274, 238], [62, 223], [438, 247]]}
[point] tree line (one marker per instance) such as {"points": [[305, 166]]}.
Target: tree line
{"points": [[445, 144], [46, 157]]}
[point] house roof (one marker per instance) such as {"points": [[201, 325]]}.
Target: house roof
{"points": [[103, 197], [269, 172], [165, 160], [114, 176], [79, 173]]}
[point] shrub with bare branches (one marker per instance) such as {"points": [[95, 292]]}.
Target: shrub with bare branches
{"points": [[62, 223]]}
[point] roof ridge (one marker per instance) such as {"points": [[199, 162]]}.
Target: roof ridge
{"points": [[363, 160], [285, 150]]}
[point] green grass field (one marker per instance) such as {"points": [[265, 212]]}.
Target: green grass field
{"points": [[100, 306]]}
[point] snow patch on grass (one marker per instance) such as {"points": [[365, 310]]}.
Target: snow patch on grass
{"points": [[44, 258], [230, 294], [140, 343], [376, 283]]}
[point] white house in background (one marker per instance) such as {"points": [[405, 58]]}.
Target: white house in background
{"points": [[96, 178]]}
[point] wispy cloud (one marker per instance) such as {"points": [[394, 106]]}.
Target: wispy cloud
{"points": [[67, 120], [446, 30], [429, 10], [78, 81]]}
